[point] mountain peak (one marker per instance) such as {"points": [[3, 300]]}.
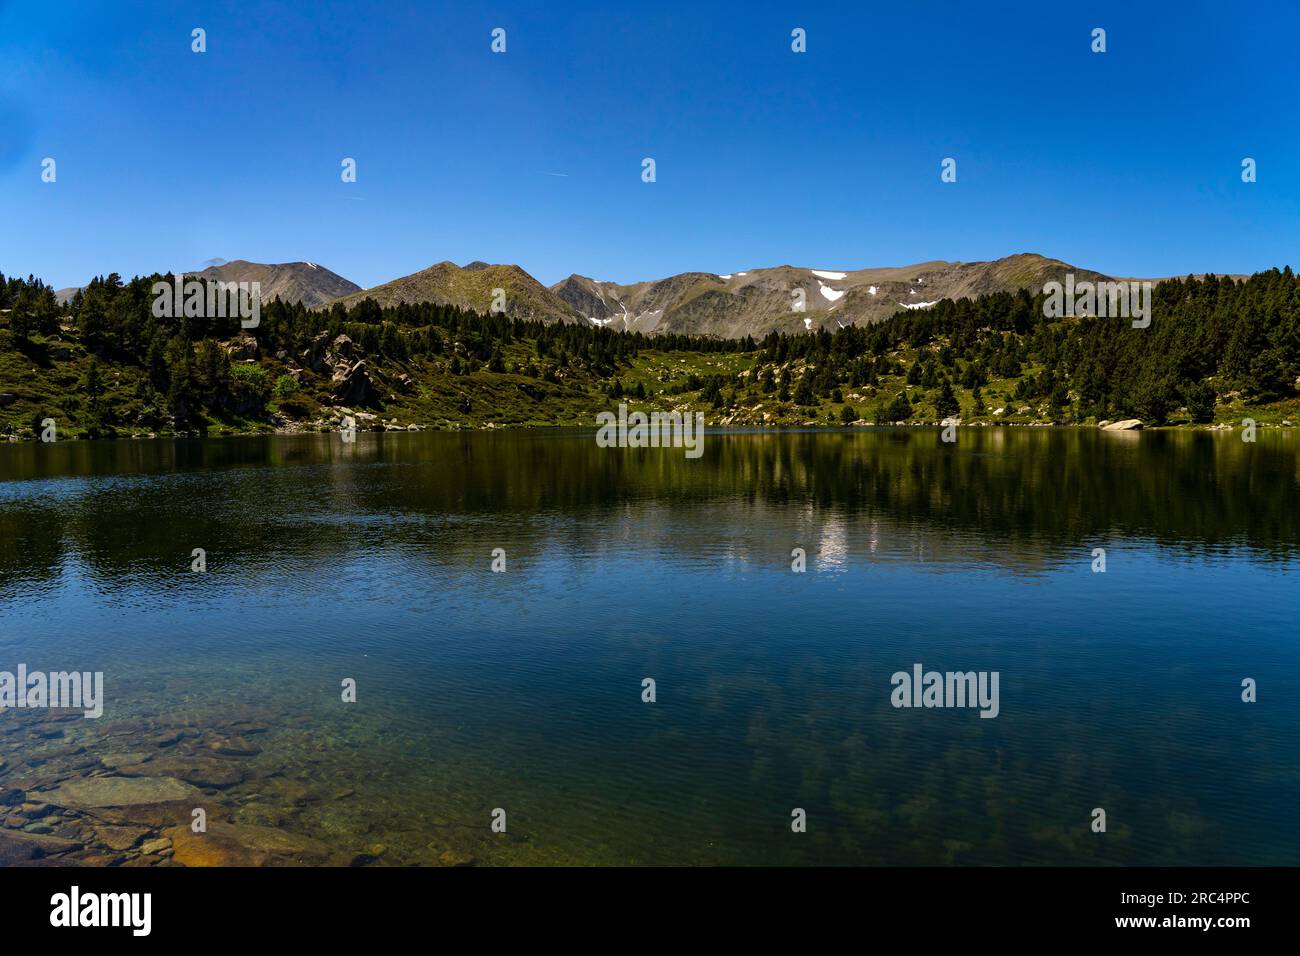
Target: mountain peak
{"points": [[306, 282], [472, 287]]}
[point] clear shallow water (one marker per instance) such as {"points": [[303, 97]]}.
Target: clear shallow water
{"points": [[523, 690]]}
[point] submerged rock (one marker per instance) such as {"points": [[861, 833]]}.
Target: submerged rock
{"points": [[291, 793], [234, 747], [151, 816], [19, 847], [231, 844], [200, 771], [159, 846], [456, 858], [113, 761], [121, 792], [120, 838]]}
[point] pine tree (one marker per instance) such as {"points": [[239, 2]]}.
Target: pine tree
{"points": [[946, 404], [93, 387], [899, 410]]}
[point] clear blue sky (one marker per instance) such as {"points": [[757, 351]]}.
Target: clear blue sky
{"points": [[1127, 162]]}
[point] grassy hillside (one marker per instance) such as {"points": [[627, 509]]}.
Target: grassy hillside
{"points": [[52, 377], [472, 287]]}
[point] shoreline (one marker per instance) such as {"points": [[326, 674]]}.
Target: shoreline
{"points": [[713, 429]]}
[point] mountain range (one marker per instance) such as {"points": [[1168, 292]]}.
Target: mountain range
{"points": [[304, 282], [753, 302]]}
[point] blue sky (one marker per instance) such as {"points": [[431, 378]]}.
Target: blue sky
{"points": [[1127, 162]]}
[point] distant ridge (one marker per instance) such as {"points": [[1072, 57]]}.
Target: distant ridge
{"points": [[306, 282], [753, 302]]}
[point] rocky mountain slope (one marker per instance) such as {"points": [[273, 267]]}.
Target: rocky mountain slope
{"points": [[307, 282], [304, 282], [473, 287], [759, 301], [754, 302]]}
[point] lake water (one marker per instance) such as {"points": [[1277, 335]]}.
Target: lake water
{"points": [[522, 690]]}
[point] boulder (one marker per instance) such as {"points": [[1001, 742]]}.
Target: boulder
{"points": [[242, 349], [341, 353], [353, 386], [313, 356], [1124, 425]]}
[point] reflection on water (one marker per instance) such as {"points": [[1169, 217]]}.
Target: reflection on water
{"points": [[523, 690]]}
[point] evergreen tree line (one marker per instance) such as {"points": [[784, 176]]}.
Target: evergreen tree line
{"points": [[186, 367], [1210, 338]]}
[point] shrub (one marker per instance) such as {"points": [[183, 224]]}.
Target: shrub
{"points": [[285, 386], [248, 387]]}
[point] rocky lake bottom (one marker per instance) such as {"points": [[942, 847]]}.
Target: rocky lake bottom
{"points": [[521, 691]]}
